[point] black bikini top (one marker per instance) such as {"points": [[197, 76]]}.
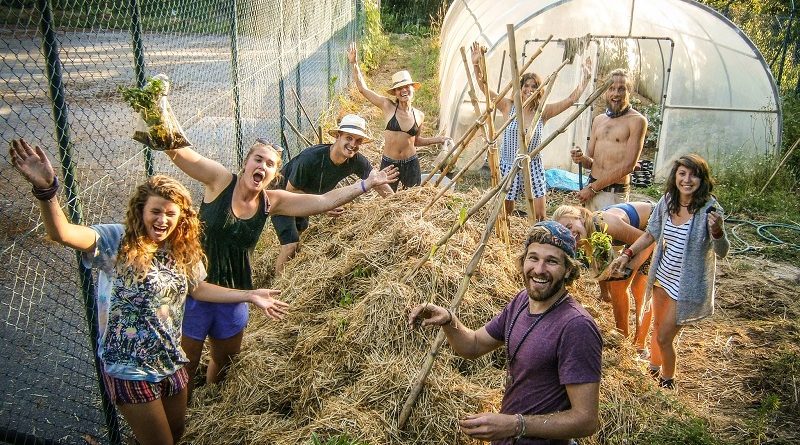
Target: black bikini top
{"points": [[393, 125]]}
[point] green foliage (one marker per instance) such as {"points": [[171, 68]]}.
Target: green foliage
{"points": [[765, 415], [680, 431], [415, 17], [777, 379], [144, 99], [653, 114], [375, 43], [346, 298], [341, 439]]}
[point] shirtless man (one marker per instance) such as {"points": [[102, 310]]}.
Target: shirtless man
{"points": [[403, 132], [614, 147]]}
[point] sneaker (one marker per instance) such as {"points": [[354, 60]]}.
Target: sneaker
{"points": [[666, 383], [655, 372], [643, 355]]}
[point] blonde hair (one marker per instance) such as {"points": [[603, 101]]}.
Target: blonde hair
{"points": [[137, 248], [580, 213], [278, 153]]}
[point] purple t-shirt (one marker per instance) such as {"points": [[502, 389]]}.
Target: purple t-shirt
{"points": [[564, 348]]}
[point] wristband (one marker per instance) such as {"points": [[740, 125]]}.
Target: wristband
{"points": [[48, 193], [627, 252], [450, 321], [364, 186], [520, 426], [593, 190]]}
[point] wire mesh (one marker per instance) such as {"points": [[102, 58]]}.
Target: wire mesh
{"points": [[233, 65]]}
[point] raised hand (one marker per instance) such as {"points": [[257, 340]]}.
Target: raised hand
{"points": [[31, 163], [587, 68], [385, 176], [427, 314], [352, 53], [266, 301], [475, 52], [489, 426]]}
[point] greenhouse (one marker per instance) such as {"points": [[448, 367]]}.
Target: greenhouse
{"points": [[701, 82]]}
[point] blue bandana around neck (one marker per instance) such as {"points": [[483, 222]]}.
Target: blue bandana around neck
{"points": [[613, 115]]}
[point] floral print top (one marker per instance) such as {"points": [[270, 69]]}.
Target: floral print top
{"points": [[139, 320]]}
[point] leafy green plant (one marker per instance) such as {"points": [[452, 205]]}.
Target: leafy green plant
{"points": [[653, 114], [163, 131], [375, 43], [346, 298]]}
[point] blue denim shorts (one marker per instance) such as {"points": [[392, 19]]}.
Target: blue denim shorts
{"points": [[216, 320]]}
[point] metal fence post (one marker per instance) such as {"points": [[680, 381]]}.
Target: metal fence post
{"points": [[139, 67], [237, 113], [281, 85], [50, 50]]}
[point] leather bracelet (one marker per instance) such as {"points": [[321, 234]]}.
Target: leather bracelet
{"points": [[48, 193], [627, 252]]}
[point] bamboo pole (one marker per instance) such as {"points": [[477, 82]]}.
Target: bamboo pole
{"points": [[457, 145], [502, 226], [499, 195], [422, 374], [500, 95], [486, 197], [297, 132], [506, 181], [522, 140], [303, 109], [780, 165], [545, 84]]}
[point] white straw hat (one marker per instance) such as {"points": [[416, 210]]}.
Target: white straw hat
{"points": [[402, 78], [352, 124]]}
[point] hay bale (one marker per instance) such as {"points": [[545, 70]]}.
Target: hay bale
{"points": [[343, 360]]}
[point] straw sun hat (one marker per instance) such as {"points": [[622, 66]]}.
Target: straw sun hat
{"points": [[353, 124], [400, 79]]}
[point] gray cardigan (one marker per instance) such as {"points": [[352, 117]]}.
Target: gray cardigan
{"points": [[699, 261]]}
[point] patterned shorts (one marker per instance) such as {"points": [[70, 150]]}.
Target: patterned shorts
{"points": [[124, 392], [517, 187]]}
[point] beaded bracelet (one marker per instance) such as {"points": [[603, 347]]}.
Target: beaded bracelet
{"points": [[46, 194]]}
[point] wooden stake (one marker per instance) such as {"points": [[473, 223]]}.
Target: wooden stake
{"points": [[303, 109], [780, 165], [297, 132], [522, 139], [500, 95], [422, 375]]}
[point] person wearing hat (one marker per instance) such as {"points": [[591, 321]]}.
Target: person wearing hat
{"points": [[553, 349], [234, 211], [403, 131], [317, 170]]}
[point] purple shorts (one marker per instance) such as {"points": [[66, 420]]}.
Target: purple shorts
{"points": [[216, 320], [123, 392]]}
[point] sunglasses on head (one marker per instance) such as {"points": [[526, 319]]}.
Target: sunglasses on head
{"points": [[275, 147]]}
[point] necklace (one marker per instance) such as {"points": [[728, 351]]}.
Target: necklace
{"points": [[513, 354], [614, 115]]}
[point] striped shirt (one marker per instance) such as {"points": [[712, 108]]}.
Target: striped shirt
{"points": [[669, 268]]}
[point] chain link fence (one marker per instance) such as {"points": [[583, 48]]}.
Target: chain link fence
{"points": [[236, 68]]}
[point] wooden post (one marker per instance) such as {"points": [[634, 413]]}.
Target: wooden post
{"points": [[520, 116], [500, 95], [499, 195], [502, 227], [422, 375]]}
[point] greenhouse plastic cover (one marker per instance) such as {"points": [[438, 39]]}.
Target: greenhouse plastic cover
{"points": [[719, 98]]}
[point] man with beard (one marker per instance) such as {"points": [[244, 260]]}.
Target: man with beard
{"points": [[553, 349], [614, 147], [317, 170]]}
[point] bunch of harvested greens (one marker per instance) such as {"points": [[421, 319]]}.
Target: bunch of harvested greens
{"points": [[158, 128], [599, 251]]}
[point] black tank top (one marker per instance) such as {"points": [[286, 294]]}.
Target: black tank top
{"points": [[393, 125], [229, 241]]}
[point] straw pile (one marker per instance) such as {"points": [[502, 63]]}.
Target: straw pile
{"points": [[343, 361]]}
